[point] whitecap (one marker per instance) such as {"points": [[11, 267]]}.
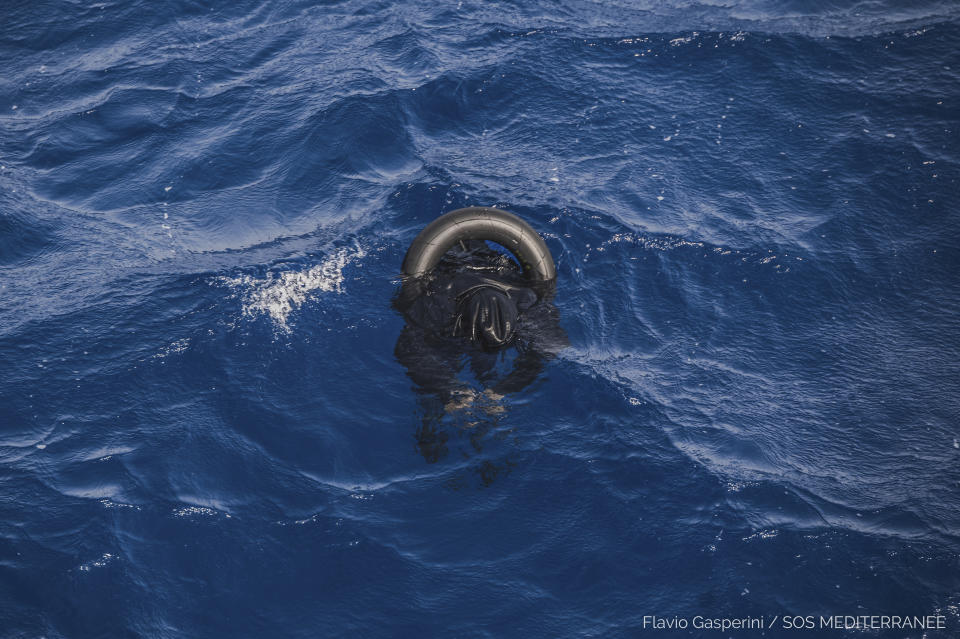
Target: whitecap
{"points": [[277, 295], [197, 511], [173, 348], [104, 559]]}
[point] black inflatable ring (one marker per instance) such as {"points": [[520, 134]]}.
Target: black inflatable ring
{"points": [[480, 223]]}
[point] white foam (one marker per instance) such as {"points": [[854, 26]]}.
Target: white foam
{"points": [[279, 294], [176, 347], [197, 511], [762, 534], [312, 519], [116, 504], [104, 559], [676, 42]]}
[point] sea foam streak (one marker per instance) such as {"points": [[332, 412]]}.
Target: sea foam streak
{"points": [[277, 295]]}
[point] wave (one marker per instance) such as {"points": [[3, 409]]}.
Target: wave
{"points": [[279, 294]]}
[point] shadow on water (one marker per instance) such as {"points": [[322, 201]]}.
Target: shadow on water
{"points": [[464, 388]]}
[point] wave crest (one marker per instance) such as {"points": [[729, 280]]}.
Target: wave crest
{"points": [[278, 295]]}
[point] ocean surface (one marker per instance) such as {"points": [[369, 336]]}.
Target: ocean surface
{"points": [[205, 431]]}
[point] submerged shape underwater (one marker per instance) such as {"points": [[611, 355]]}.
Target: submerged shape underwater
{"points": [[204, 427]]}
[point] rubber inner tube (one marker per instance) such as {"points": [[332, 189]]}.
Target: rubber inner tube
{"points": [[481, 223]]}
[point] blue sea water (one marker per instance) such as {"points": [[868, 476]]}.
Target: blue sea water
{"points": [[204, 430]]}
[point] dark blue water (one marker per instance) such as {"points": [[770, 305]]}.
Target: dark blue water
{"points": [[204, 431]]}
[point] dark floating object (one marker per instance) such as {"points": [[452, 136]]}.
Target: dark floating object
{"points": [[480, 223], [468, 308]]}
